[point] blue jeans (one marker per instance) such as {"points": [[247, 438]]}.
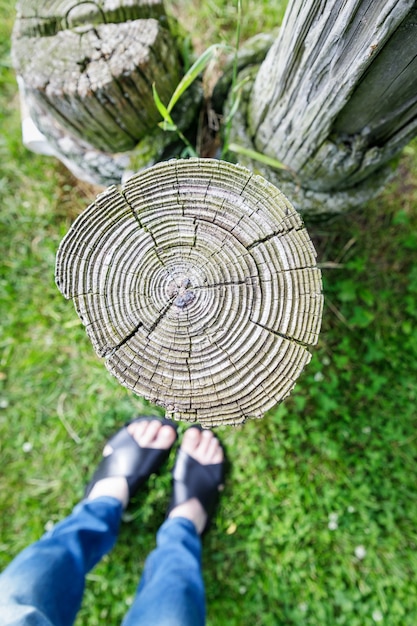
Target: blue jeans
{"points": [[44, 584]]}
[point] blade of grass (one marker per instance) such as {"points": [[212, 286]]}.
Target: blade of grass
{"points": [[257, 156], [195, 70], [235, 96], [168, 121]]}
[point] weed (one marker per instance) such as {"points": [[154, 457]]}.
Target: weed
{"points": [[187, 80]]}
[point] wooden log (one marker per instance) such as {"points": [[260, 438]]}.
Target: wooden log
{"points": [[45, 18], [85, 73], [197, 283], [97, 81], [47, 136], [335, 99]]}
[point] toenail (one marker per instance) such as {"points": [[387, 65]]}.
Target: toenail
{"points": [[107, 450]]}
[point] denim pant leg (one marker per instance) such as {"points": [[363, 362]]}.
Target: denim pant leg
{"points": [[171, 591], [44, 584]]}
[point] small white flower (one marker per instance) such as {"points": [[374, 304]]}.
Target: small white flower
{"points": [[4, 403], [27, 446], [366, 430], [318, 377], [377, 616], [48, 340], [351, 509], [360, 552], [303, 607], [325, 360], [333, 521], [242, 590], [49, 526]]}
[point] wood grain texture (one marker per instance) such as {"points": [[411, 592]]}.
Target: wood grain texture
{"points": [[48, 17], [91, 67], [336, 97], [198, 285]]}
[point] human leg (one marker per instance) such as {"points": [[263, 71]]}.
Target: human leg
{"points": [[44, 585], [171, 591]]}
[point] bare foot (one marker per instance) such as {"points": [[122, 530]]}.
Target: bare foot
{"points": [[147, 434], [205, 448]]}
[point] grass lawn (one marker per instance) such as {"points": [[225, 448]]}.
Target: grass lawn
{"points": [[318, 523]]}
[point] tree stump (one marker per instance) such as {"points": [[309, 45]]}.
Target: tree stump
{"points": [[335, 100], [86, 70], [198, 285]]}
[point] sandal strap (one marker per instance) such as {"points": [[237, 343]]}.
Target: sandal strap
{"points": [[129, 459], [191, 479]]}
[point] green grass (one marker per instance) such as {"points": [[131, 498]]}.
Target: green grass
{"points": [[214, 21], [340, 452]]}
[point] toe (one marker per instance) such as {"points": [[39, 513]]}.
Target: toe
{"points": [[205, 443], [138, 428], [165, 437], [215, 451], [191, 440], [152, 434], [202, 446], [107, 450]]}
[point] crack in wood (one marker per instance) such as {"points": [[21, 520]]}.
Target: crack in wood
{"points": [[282, 335], [193, 245], [277, 234], [161, 316], [159, 59], [137, 328], [230, 283], [110, 106], [112, 351], [187, 363], [132, 210], [125, 97]]}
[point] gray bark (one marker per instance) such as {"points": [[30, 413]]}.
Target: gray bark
{"points": [[335, 99]]}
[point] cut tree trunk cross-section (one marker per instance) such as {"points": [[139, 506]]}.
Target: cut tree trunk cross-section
{"points": [[198, 284]]}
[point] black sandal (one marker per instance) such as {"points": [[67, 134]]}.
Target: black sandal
{"points": [[191, 479], [129, 459]]}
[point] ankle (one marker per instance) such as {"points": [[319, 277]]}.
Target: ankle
{"points": [[193, 511], [113, 487]]}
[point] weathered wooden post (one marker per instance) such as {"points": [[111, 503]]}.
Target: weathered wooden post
{"points": [[335, 100], [197, 283], [86, 70]]}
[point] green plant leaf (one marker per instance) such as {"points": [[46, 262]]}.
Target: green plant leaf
{"points": [[233, 110], [166, 126], [195, 70], [257, 156], [161, 107]]}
